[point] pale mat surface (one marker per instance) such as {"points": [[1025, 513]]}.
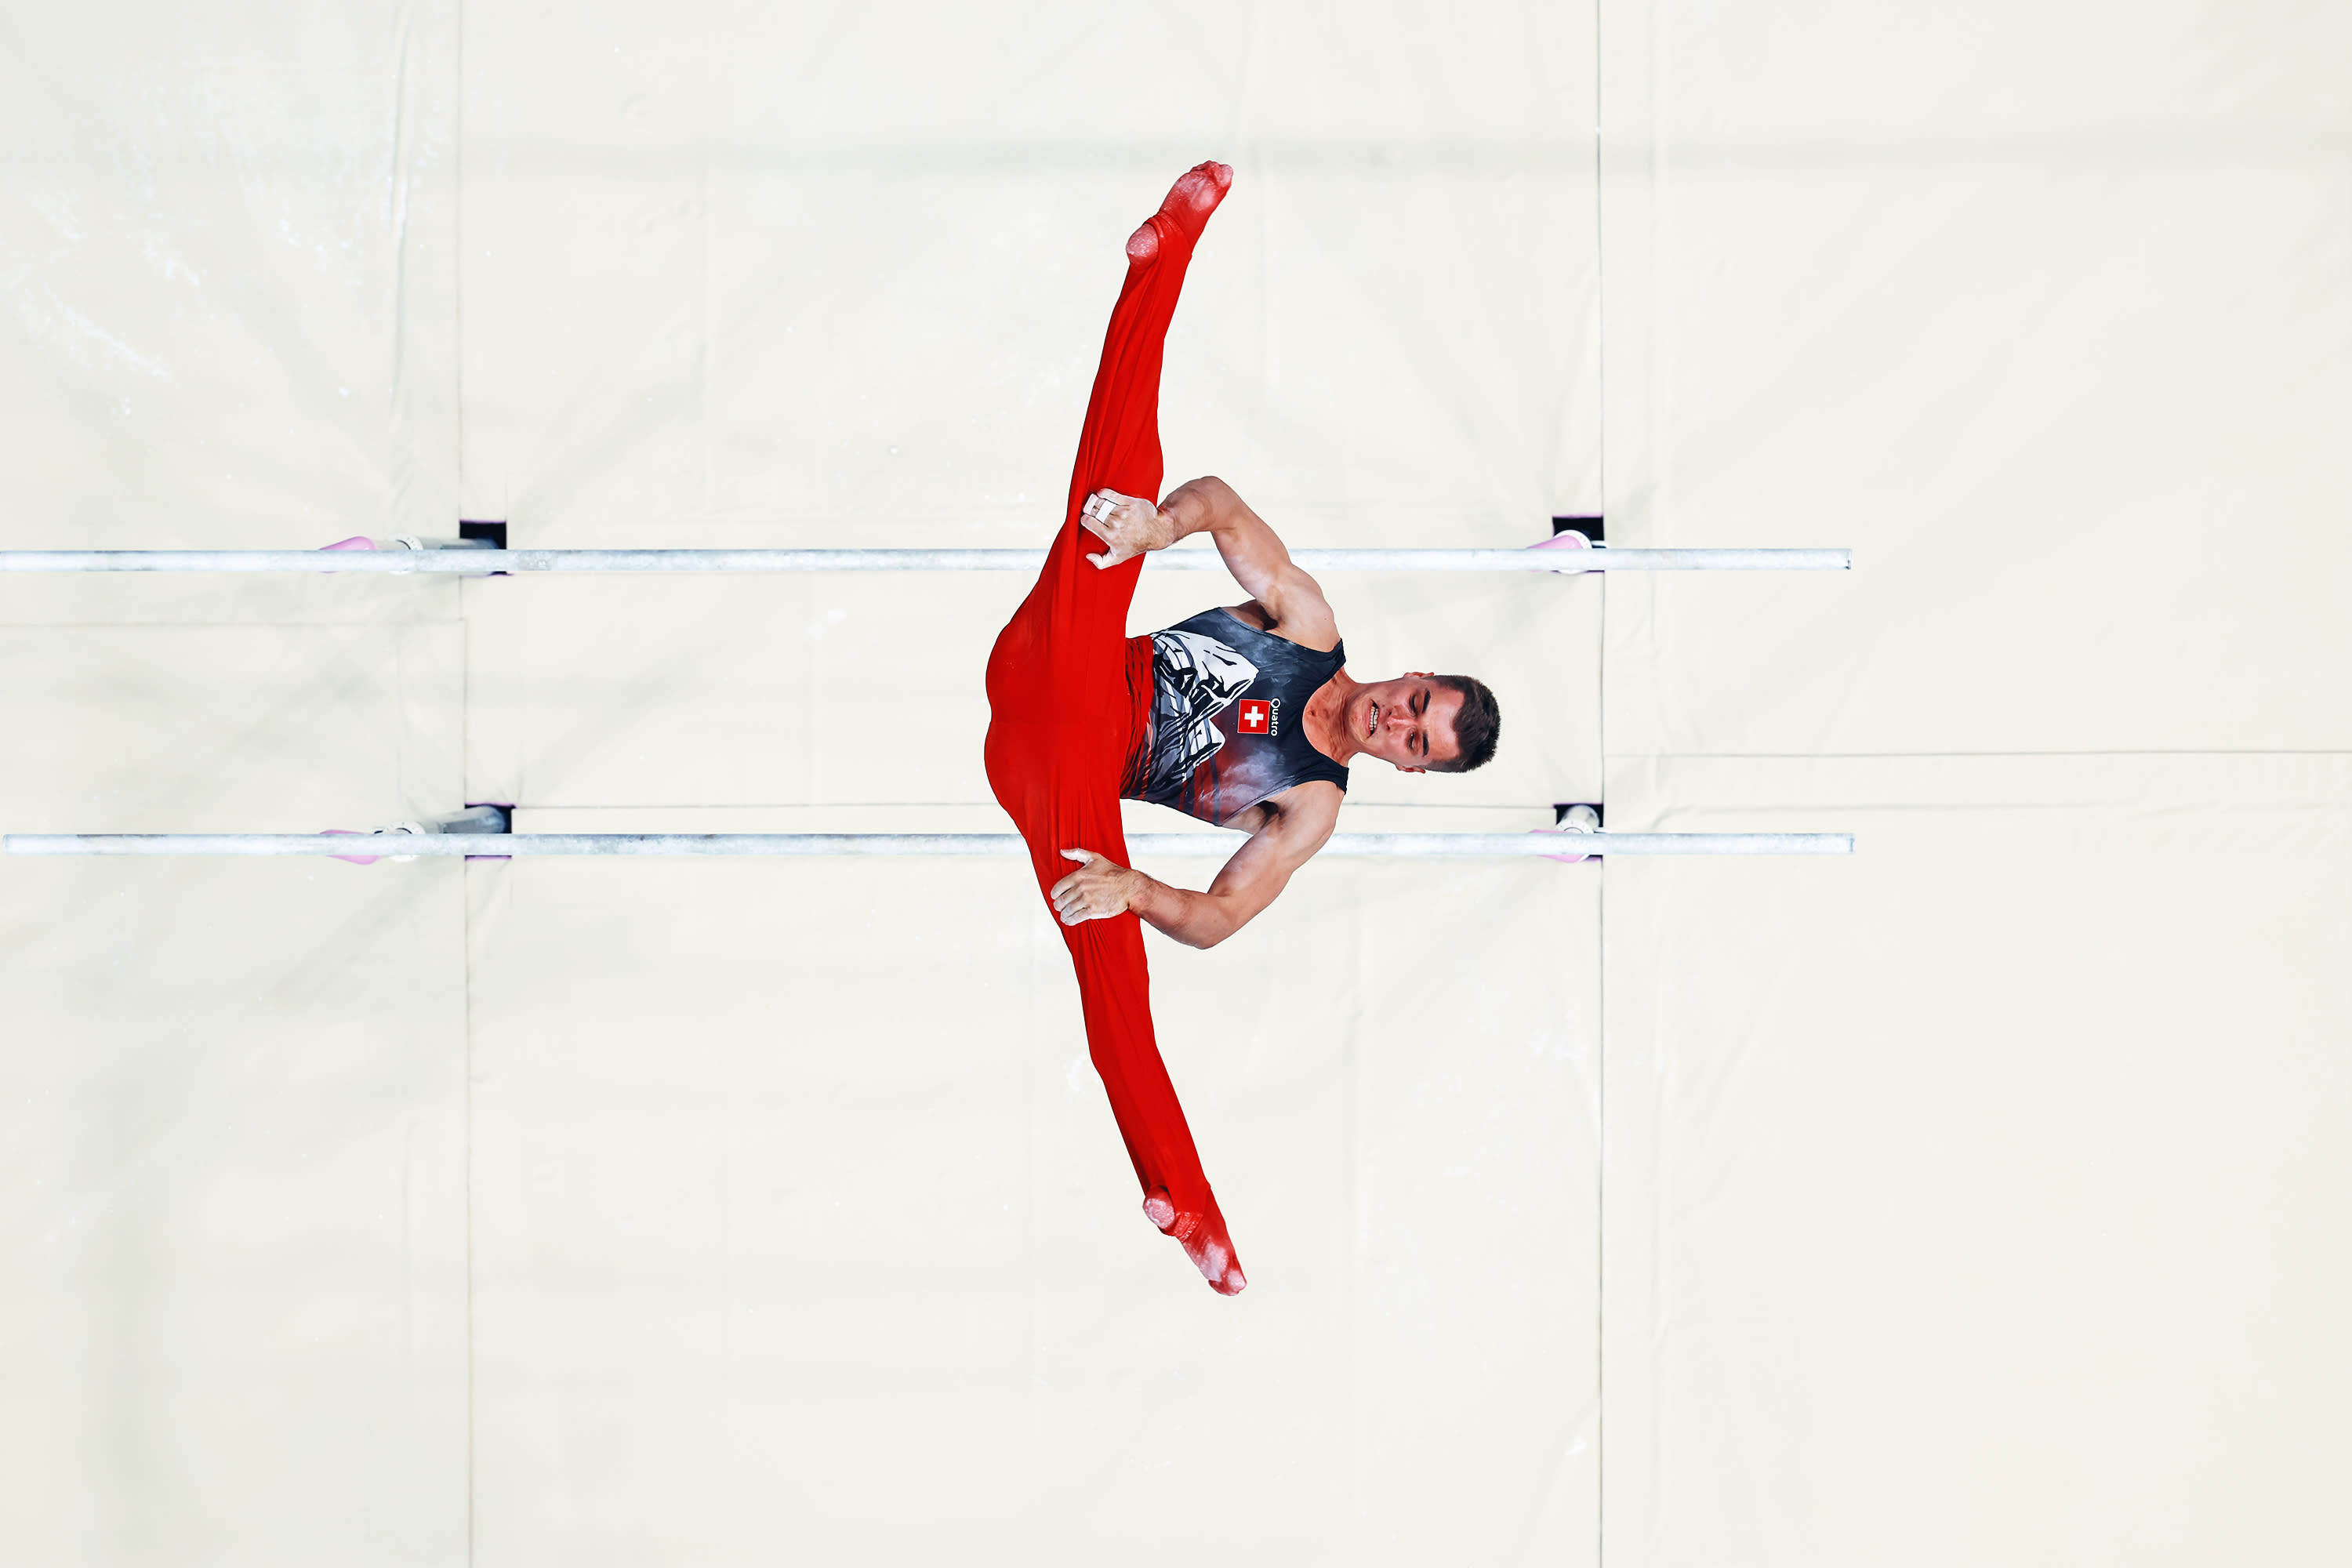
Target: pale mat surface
{"points": [[1981, 1198]]}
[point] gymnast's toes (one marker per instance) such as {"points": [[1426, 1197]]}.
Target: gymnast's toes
{"points": [[1194, 195], [1201, 1233], [1222, 1269], [1199, 189]]}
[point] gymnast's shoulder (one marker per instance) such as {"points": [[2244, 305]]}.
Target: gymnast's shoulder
{"points": [[1301, 816]]}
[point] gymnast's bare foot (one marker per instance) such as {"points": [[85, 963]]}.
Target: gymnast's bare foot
{"points": [[1185, 213], [1202, 1237]]}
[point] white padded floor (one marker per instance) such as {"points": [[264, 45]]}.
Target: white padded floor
{"points": [[1980, 1198]]}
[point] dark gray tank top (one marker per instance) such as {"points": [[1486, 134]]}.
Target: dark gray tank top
{"points": [[1228, 717]]}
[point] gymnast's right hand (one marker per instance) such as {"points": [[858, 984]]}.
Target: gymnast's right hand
{"points": [[1128, 524]]}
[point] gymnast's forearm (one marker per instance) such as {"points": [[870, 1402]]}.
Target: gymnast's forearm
{"points": [[1196, 920]]}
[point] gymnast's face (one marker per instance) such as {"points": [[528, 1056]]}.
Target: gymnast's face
{"points": [[1407, 723]]}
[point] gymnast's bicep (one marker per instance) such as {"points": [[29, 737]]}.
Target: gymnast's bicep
{"points": [[1292, 600], [1256, 876]]}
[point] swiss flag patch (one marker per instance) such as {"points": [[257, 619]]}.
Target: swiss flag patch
{"points": [[1255, 718]]}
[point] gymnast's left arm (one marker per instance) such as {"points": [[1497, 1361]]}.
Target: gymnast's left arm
{"points": [[1249, 882]]}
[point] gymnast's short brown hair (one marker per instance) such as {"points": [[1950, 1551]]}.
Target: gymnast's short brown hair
{"points": [[1477, 724]]}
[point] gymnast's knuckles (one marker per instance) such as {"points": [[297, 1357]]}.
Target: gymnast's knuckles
{"points": [[1098, 890], [1130, 525]]}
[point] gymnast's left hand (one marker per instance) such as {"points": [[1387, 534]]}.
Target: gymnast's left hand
{"points": [[1130, 525], [1097, 890]]}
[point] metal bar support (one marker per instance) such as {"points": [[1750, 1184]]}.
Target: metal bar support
{"points": [[448, 844], [463, 559]]}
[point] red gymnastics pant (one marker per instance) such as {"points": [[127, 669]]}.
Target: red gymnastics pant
{"points": [[1064, 710]]}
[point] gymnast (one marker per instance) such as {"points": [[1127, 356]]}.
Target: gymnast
{"points": [[1244, 717]]}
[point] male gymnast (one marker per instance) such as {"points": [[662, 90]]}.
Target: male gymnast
{"points": [[1245, 717]]}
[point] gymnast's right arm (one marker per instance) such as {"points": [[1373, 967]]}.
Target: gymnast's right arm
{"points": [[1293, 601]]}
